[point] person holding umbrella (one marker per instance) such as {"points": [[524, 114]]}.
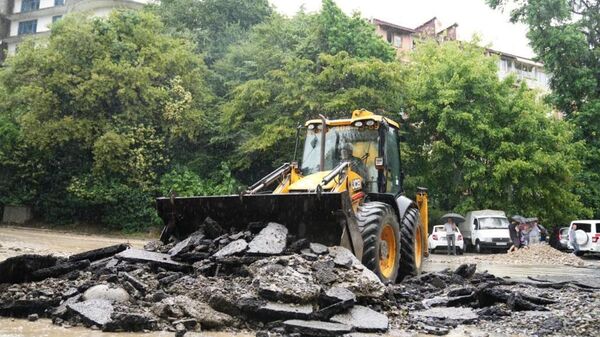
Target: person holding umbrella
{"points": [[450, 228]]}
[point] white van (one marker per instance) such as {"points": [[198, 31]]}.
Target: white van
{"points": [[486, 229]]}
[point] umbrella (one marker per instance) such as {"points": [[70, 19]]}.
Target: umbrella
{"points": [[519, 219], [454, 216]]}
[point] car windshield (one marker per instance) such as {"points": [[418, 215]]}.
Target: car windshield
{"points": [[359, 145], [493, 222]]}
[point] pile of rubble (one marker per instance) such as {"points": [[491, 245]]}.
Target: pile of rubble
{"points": [[535, 254], [259, 279], [544, 254], [211, 280]]}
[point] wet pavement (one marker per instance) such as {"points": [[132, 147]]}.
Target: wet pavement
{"points": [[558, 273]]}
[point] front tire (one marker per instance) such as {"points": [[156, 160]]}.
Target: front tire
{"points": [[478, 249], [380, 231], [411, 246]]}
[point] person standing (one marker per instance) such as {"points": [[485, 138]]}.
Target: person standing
{"points": [[513, 231], [573, 239], [534, 233], [450, 228]]}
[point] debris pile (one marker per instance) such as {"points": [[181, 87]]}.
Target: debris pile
{"points": [[260, 279], [536, 254], [545, 254]]}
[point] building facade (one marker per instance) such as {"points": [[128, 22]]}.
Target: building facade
{"points": [[22, 18], [402, 38]]}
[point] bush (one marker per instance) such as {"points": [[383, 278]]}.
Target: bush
{"points": [[186, 183], [114, 204]]}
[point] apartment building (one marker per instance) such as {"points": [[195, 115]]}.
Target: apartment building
{"points": [[21, 18], [403, 38]]}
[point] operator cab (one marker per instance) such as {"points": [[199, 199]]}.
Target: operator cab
{"points": [[370, 142]]}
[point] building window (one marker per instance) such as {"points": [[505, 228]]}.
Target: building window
{"points": [[397, 41], [30, 5], [59, 2], [56, 18], [27, 27]]}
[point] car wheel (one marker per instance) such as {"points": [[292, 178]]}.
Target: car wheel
{"points": [[478, 247]]}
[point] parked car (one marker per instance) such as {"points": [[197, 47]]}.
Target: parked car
{"points": [[486, 229], [563, 238], [587, 235], [437, 240]]}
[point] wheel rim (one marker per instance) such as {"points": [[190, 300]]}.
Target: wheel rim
{"points": [[418, 247], [387, 251]]}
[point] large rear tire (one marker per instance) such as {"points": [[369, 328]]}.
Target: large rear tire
{"points": [[380, 231], [411, 245]]}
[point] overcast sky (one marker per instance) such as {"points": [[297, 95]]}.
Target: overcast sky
{"points": [[472, 16]]}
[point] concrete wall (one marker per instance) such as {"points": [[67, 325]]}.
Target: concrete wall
{"points": [[17, 214]]}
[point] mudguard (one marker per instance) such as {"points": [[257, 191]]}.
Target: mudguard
{"points": [[403, 204]]}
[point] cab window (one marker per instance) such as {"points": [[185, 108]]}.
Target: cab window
{"points": [[392, 160]]}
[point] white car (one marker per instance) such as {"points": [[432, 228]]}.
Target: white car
{"points": [[588, 236], [437, 240]]}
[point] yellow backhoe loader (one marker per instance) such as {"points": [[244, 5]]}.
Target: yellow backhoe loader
{"points": [[347, 190]]}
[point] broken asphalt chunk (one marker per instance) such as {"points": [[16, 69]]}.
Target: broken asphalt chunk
{"points": [[94, 312], [187, 245], [318, 248], [270, 241], [157, 259], [24, 308], [232, 248], [272, 311], [18, 269], [126, 321], [59, 269], [316, 328], [100, 253], [363, 319]]}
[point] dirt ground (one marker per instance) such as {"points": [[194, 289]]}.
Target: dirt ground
{"points": [[18, 240]]}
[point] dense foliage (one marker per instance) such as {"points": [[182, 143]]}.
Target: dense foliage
{"points": [[198, 97], [485, 143], [102, 109], [565, 34]]}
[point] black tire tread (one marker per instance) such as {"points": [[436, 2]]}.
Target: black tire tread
{"points": [[369, 218], [408, 231]]}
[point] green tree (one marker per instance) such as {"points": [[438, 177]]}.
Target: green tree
{"points": [[565, 35], [213, 24], [479, 142], [261, 117], [105, 104]]}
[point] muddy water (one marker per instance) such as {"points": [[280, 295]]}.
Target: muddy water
{"points": [[19, 240], [44, 328]]}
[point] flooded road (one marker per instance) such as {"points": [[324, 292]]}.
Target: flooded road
{"points": [[520, 272], [21, 240], [45, 328]]}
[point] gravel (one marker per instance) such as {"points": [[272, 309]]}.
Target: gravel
{"points": [[537, 254]]}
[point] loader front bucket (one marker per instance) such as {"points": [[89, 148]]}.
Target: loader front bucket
{"points": [[325, 218]]}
